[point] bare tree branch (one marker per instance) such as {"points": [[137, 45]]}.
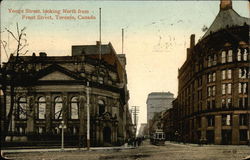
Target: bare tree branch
{"points": [[12, 34], [17, 29], [4, 43]]}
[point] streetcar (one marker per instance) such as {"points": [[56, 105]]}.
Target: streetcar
{"points": [[158, 137]]}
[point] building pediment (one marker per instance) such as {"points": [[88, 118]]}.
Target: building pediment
{"points": [[56, 75]]}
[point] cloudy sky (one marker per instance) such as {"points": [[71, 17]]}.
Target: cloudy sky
{"points": [[156, 34]]}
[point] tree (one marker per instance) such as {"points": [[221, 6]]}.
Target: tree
{"points": [[8, 74]]}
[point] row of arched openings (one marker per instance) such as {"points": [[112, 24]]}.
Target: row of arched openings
{"points": [[58, 108]]}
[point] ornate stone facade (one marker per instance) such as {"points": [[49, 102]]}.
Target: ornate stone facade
{"points": [[48, 90]]}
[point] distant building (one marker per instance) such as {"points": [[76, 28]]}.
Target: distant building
{"points": [[48, 90], [213, 102], [156, 103]]}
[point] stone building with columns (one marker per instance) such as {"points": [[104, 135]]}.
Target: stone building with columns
{"points": [[47, 90], [213, 103]]}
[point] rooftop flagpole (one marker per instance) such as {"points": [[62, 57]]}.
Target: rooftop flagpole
{"points": [[100, 33], [122, 40]]}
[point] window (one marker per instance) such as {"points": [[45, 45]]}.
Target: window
{"points": [[215, 59], [101, 107], [74, 110], [239, 55], [226, 102], [229, 103], [209, 61], [243, 135], [58, 108], [245, 55], [208, 105], [209, 91], [230, 56], [209, 78], [223, 74], [240, 87], [22, 108], [243, 72], [41, 130], [41, 108], [229, 88], [243, 119], [223, 103], [21, 130], [213, 104], [229, 74], [100, 79], [226, 74], [223, 89], [210, 120], [226, 120], [213, 91], [223, 57], [243, 87], [243, 102], [214, 77]]}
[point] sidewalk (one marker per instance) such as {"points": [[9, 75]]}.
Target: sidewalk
{"points": [[64, 150]]}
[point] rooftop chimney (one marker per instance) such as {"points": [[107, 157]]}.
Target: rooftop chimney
{"points": [[43, 54], [98, 43], [225, 4], [192, 40]]}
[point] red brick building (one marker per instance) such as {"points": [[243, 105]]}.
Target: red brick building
{"points": [[213, 103]]}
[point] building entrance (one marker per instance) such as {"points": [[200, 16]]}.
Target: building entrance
{"points": [[107, 135], [226, 136]]}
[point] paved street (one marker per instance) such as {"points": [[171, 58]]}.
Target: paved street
{"points": [[171, 151]]}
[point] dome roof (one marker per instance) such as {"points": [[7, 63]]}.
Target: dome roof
{"points": [[226, 18]]}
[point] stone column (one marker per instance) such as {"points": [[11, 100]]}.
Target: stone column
{"points": [[48, 118], [115, 136], [82, 127], [235, 130], [218, 90], [203, 127], [196, 140], [217, 132], [30, 114], [97, 134], [101, 135]]}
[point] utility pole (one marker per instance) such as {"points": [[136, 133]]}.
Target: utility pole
{"points": [[135, 112], [88, 120]]}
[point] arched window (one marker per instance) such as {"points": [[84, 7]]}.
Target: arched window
{"points": [[41, 108], [215, 59], [239, 55], [58, 108], [230, 56], [223, 57], [209, 61], [22, 108], [101, 106], [74, 108], [100, 80], [245, 55]]}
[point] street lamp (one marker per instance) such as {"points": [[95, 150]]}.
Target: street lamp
{"points": [[88, 118], [62, 125]]}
